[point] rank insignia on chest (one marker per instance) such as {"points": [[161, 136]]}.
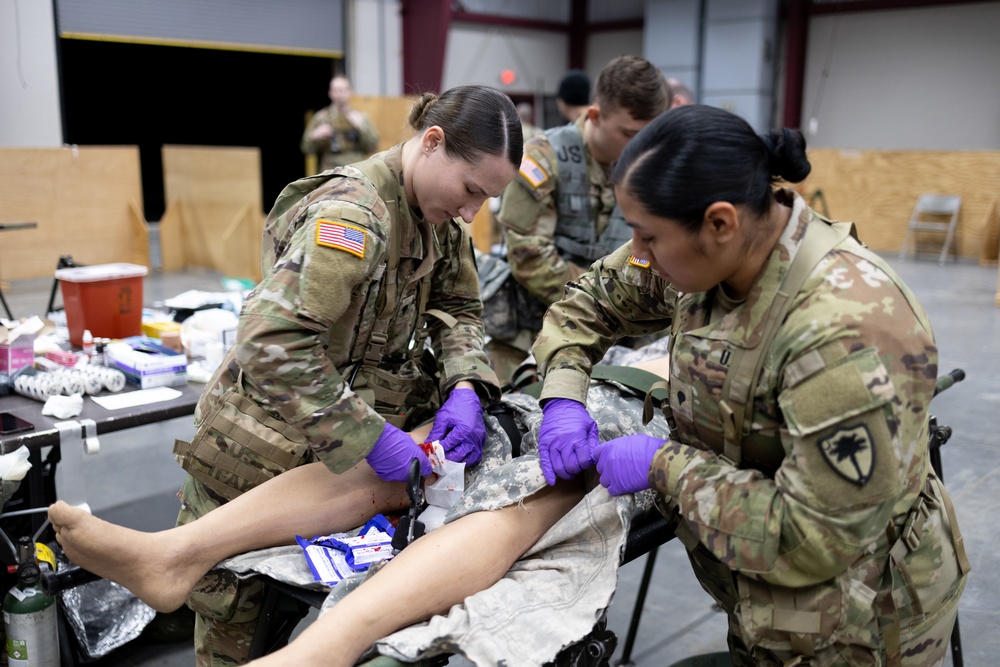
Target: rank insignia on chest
{"points": [[341, 237], [635, 261], [850, 453], [532, 173]]}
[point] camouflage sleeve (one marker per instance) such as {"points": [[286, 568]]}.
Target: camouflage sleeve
{"points": [[855, 366], [528, 215], [283, 329], [455, 291], [368, 136], [616, 298], [310, 145]]}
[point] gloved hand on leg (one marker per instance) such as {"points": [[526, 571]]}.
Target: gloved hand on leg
{"points": [[390, 457], [566, 439], [624, 462], [460, 427]]}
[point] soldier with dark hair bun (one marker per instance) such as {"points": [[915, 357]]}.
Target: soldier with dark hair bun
{"points": [[362, 264], [801, 369]]}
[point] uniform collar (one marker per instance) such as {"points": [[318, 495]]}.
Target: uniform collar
{"points": [[416, 232], [744, 325]]}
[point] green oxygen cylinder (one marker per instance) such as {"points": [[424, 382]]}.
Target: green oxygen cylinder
{"points": [[29, 615]]}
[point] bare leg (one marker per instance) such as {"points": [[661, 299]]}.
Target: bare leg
{"points": [[162, 568], [428, 578], [660, 366]]}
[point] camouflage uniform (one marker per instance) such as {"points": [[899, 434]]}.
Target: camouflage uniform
{"points": [[833, 542], [348, 144], [553, 594], [309, 378], [535, 226]]}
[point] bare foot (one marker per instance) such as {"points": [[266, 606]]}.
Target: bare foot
{"points": [[156, 567]]}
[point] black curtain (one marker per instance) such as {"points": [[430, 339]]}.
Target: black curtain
{"points": [[137, 94]]}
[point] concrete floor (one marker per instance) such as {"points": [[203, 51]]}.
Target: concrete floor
{"points": [[133, 479]]}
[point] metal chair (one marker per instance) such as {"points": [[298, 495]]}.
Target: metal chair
{"points": [[933, 213]]}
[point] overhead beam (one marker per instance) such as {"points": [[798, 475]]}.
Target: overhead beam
{"points": [[816, 8]]}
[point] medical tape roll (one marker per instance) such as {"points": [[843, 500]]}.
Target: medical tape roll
{"points": [[38, 387], [112, 378], [89, 382], [69, 384]]}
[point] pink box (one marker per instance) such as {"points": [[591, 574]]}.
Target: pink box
{"points": [[15, 356]]}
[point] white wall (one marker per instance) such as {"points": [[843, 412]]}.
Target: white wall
{"points": [[924, 78], [29, 82], [602, 47], [478, 53], [739, 50], [375, 47], [672, 39]]}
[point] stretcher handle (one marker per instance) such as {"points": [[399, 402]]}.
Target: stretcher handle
{"points": [[70, 577]]}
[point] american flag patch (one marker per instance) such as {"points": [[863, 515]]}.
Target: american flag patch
{"points": [[532, 172], [340, 236], [641, 263]]}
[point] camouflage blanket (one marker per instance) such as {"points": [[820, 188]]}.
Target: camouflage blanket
{"points": [[556, 592]]}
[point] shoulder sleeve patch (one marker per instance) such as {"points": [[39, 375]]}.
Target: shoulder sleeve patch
{"points": [[532, 173], [635, 261], [341, 236]]}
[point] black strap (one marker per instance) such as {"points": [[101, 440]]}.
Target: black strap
{"points": [[507, 422]]}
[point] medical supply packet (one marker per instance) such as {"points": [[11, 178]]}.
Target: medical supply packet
{"points": [[335, 557]]}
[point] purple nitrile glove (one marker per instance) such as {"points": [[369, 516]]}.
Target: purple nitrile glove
{"points": [[460, 427], [624, 462], [566, 439], [390, 457]]}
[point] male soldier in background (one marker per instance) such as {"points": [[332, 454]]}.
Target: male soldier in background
{"points": [[526, 112], [573, 95], [559, 213], [682, 94], [338, 134]]}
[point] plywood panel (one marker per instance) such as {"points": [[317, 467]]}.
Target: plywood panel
{"points": [[215, 216], [389, 114], [483, 228], [86, 200], [878, 189]]}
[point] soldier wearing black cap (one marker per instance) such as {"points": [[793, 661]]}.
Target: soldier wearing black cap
{"points": [[574, 94]]}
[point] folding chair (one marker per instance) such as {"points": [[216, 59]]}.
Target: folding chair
{"points": [[933, 213]]}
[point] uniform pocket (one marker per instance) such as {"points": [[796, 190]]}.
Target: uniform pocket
{"points": [[812, 618], [241, 446], [930, 577]]}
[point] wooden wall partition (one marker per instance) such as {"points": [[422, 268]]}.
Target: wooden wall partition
{"points": [[214, 216], [87, 201], [878, 190], [389, 114]]}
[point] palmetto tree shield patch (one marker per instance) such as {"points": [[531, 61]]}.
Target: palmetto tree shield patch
{"points": [[850, 453]]}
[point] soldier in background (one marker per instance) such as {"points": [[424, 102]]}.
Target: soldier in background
{"points": [[362, 265], [573, 94], [526, 112], [682, 94], [559, 214], [338, 134], [801, 369]]}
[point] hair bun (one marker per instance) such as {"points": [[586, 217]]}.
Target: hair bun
{"points": [[786, 154], [419, 110]]}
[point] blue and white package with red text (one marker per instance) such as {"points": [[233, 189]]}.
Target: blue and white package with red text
{"points": [[328, 565], [373, 543], [342, 555]]}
